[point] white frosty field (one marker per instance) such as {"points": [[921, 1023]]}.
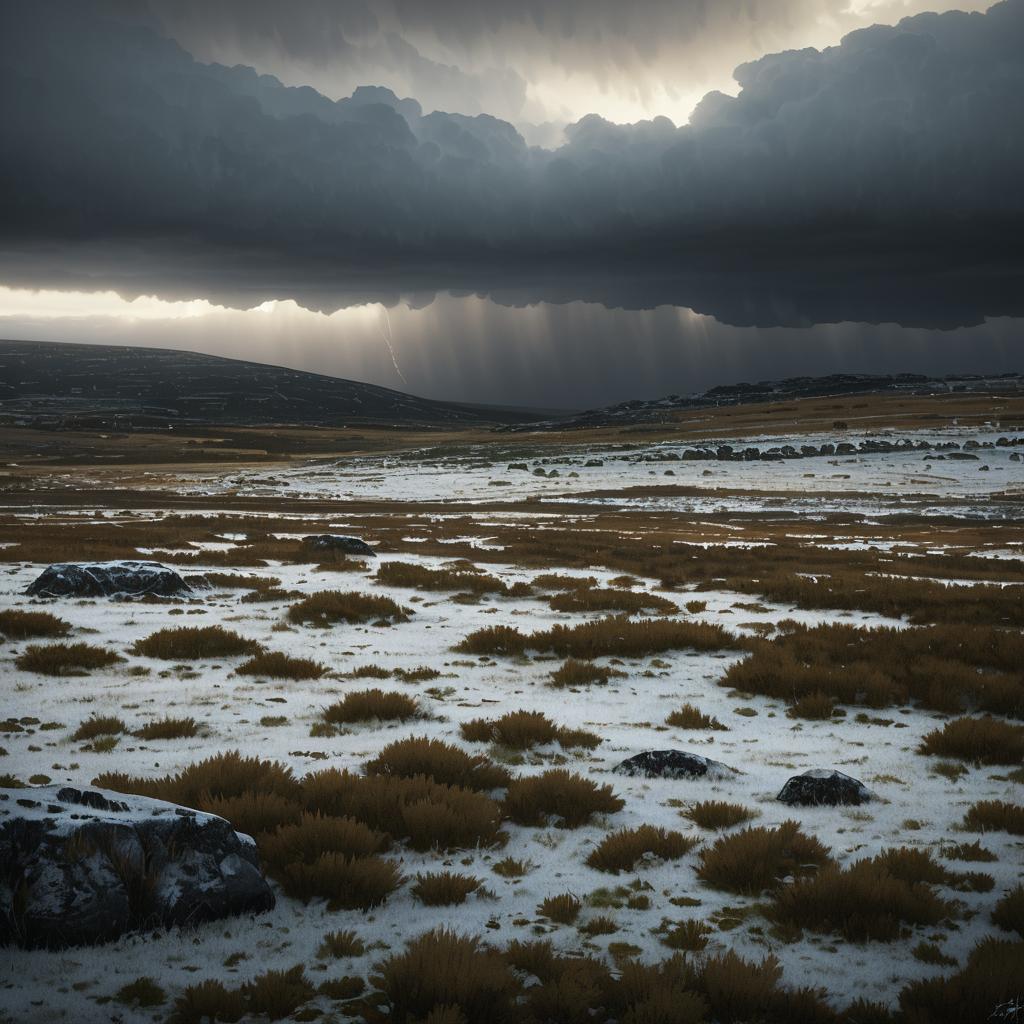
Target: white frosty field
{"points": [[915, 807]]}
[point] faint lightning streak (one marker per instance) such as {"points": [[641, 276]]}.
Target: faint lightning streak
{"points": [[386, 334]]}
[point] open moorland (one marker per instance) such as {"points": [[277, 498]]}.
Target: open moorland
{"points": [[423, 740]]}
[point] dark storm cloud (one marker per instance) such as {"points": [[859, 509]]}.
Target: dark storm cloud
{"points": [[111, 129]]}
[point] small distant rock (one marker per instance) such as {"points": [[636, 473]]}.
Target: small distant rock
{"points": [[337, 542], [824, 786], [673, 764], [108, 579], [82, 867]]}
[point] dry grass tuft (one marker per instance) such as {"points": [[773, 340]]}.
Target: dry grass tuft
{"points": [[972, 852], [688, 936], [569, 799], [20, 625], [995, 816], [143, 992], [617, 635], [522, 730], [347, 883], [756, 859], [689, 717], [990, 981], [99, 725], [208, 1001], [274, 665], [814, 707], [602, 599], [278, 994], [981, 740], [865, 901], [188, 643], [253, 812], [65, 659], [329, 607], [444, 888], [306, 839], [577, 672], [714, 815], [340, 944], [168, 729], [371, 705], [946, 668], [561, 909], [408, 574], [1008, 913], [439, 761], [442, 970], [625, 849]]}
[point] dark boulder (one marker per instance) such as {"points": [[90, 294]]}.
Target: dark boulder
{"points": [[824, 786], [336, 542], [85, 866], [673, 764], [108, 579]]}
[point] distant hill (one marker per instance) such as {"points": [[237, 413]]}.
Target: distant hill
{"points": [[71, 385]]}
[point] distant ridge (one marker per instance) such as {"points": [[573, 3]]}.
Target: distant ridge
{"points": [[662, 409], [64, 385]]}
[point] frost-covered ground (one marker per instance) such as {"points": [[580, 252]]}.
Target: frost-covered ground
{"points": [[915, 807]]}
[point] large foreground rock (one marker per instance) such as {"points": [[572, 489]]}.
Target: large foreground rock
{"points": [[824, 786], [673, 764], [108, 579], [81, 867], [337, 542]]}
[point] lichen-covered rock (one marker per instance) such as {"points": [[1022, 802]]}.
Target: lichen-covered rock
{"points": [[108, 579], [337, 542], [673, 764], [79, 867], [824, 786]]}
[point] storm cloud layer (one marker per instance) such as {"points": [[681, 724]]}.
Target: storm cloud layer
{"points": [[899, 133]]}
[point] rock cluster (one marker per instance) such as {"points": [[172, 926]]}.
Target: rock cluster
{"points": [[673, 764], [79, 867], [337, 542], [824, 786], [108, 579]]}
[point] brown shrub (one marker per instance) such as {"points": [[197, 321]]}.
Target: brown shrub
{"points": [[718, 814], [990, 982], [568, 798], [274, 665], [408, 574], [268, 595], [370, 705], [329, 607], [141, 992], [439, 761], [20, 625], [99, 725], [234, 581], [188, 643], [340, 944], [576, 672], [690, 936], [441, 969], [862, 902], [995, 816], [65, 659], [421, 674], [426, 813], [617, 635], [562, 909], [558, 581], [689, 717], [223, 775], [347, 883], [208, 1001], [278, 994], [602, 599], [625, 849], [981, 740], [815, 707], [253, 812], [1008, 913], [168, 729], [444, 888], [759, 858], [946, 668], [522, 730], [307, 837], [972, 851]]}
